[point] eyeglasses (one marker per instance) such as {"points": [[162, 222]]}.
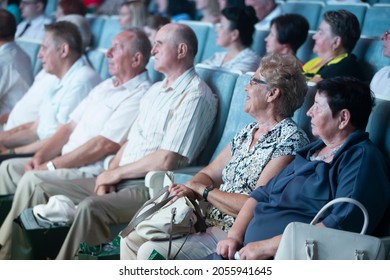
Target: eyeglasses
{"points": [[254, 81], [386, 35]]}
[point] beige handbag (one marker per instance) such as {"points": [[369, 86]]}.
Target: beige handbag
{"points": [[309, 242]]}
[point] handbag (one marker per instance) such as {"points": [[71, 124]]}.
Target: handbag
{"points": [[302, 241], [158, 219]]}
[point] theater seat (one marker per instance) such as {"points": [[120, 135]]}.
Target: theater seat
{"points": [[31, 47]]}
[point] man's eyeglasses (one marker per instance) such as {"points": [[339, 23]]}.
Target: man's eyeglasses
{"points": [[254, 81]]}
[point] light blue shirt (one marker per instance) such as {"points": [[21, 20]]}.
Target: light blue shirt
{"points": [[65, 96]]}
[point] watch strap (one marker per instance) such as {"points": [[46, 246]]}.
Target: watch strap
{"points": [[206, 192]]}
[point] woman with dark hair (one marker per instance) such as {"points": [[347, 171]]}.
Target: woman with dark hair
{"points": [[334, 42], [235, 34], [288, 32], [70, 7]]}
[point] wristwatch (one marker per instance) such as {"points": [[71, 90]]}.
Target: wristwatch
{"points": [[50, 166], [206, 192]]}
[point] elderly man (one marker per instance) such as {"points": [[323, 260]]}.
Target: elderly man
{"points": [[380, 83], [266, 10], [60, 53], [96, 129], [176, 117], [34, 20], [16, 74]]}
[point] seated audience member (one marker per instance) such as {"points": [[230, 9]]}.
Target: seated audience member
{"points": [[60, 53], [153, 24], [27, 108], [266, 10], [97, 128], [231, 3], [132, 14], [334, 42], [70, 7], [235, 34], [16, 74], [288, 32], [342, 163], [380, 83], [34, 20], [176, 9], [253, 157], [209, 10], [175, 118], [12, 6], [108, 7]]}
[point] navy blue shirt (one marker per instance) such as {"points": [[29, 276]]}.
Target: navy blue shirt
{"points": [[358, 170]]}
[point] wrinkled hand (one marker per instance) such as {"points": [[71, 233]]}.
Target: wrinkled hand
{"points": [[260, 250], [181, 190], [35, 164], [227, 247], [107, 178], [104, 189]]}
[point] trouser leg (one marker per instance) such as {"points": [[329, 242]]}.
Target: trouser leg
{"points": [[11, 171], [26, 197], [95, 214]]}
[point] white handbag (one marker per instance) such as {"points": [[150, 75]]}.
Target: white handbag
{"points": [[309, 242]]}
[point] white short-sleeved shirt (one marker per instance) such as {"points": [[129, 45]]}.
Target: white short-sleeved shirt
{"points": [[65, 96], [26, 109], [36, 31], [177, 118], [246, 61], [16, 75], [265, 23], [380, 83], [108, 111]]}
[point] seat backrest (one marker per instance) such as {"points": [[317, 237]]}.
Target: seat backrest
{"points": [[96, 24], [201, 30], [309, 9], [154, 75], [95, 58], [378, 126], [258, 45], [210, 46], [374, 59], [300, 117], [358, 9], [222, 82], [376, 20], [51, 8], [305, 52], [237, 119], [110, 29], [31, 48]]}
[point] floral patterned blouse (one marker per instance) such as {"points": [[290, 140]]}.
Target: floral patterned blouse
{"points": [[244, 169]]}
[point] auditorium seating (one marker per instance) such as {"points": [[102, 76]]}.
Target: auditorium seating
{"points": [[309, 9], [31, 47]]}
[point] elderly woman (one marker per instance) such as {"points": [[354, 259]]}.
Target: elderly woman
{"points": [[252, 158], [343, 163], [334, 42], [288, 32], [132, 14], [235, 34]]}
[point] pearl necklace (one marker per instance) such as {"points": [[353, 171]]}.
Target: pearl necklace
{"points": [[315, 156]]}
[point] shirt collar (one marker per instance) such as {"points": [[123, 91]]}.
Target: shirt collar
{"points": [[135, 81], [179, 80]]}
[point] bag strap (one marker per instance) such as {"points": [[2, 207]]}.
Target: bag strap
{"points": [[137, 218], [339, 200]]}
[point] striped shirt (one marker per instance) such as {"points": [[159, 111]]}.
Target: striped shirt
{"points": [[177, 118]]}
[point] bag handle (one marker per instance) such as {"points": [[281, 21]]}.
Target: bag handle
{"points": [[137, 218], [343, 199]]}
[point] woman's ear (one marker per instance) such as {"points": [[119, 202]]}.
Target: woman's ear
{"points": [[336, 43], [344, 118], [273, 94]]}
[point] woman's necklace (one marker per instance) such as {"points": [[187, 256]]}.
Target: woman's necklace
{"points": [[326, 156]]}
